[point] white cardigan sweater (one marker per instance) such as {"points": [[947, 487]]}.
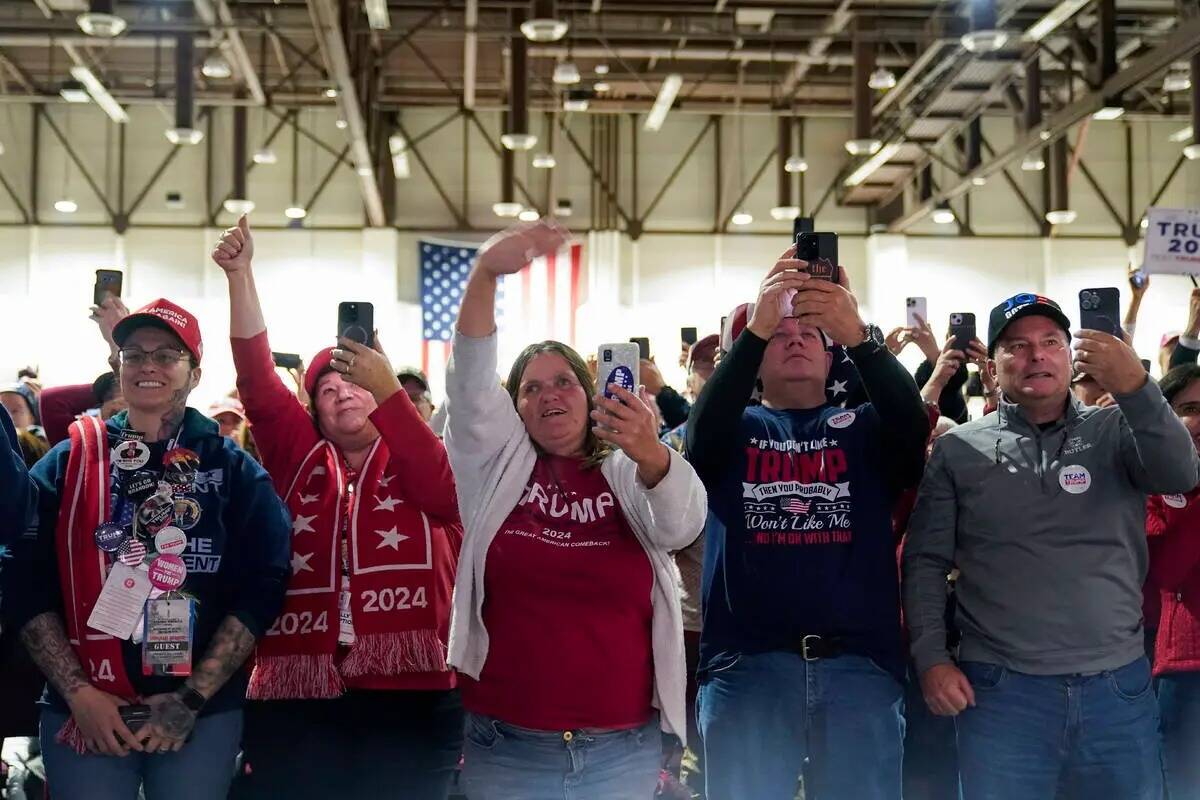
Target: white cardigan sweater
{"points": [[492, 458]]}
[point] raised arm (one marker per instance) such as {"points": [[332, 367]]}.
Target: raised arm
{"points": [[283, 430]]}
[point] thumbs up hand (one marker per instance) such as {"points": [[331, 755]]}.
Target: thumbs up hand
{"points": [[235, 249]]}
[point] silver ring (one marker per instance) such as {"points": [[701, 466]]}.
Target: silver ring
{"points": [[350, 366]]}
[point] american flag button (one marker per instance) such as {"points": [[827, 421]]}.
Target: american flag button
{"points": [[132, 553]]}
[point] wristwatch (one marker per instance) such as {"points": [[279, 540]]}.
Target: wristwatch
{"points": [[191, 698], [873, 339]]}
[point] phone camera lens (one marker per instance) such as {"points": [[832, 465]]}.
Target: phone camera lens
{"points": [[608, 355]]}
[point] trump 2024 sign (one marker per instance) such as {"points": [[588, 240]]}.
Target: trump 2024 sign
{"points": [[1173, 241]]}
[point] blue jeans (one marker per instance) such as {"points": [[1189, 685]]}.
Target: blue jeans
{"points": [[1179, 704], [202, 770], [767, 718], [1071, 736], [507, 762]]}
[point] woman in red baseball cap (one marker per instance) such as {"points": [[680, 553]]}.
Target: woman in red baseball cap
{"points": [[355, 695]]}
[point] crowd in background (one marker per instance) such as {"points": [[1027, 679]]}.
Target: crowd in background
{"points": [[804, 573]]}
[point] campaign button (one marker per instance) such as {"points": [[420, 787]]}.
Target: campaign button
{"points": [[1074, 479], [156, 513], [109, 536], [170, 541], [167, 573], [131, 455], [140, 485], [187, 513], [1175, 500], [132, 552]]}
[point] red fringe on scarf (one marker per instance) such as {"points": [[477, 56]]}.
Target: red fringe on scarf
{"points": [[395, 654], [70, 735], [295, 677]]}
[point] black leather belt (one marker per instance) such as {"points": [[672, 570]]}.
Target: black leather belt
{"points": [[814, 647]]}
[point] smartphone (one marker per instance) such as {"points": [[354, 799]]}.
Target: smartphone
{"points": [[820, 250], [134, 716], [286, 360], [618, 363], [1100, 310], [688, 336], [643, 344], [962, 328], [356, 322], [916, 306], [108, 284]]}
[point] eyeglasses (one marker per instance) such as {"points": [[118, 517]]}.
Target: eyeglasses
{"points": [[163, 357]]}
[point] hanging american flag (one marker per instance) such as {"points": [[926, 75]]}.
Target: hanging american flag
{"points": [[537, 303]]}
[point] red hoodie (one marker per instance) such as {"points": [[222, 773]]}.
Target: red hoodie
{"points": [[1173, 528]]}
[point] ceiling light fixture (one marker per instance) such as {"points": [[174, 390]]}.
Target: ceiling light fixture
{"points": [[882, 79], [74, 92], [295, 212], [742, 217], [518, 141], [507, 209], [377, 15], [398, 147], [529, 215], [265, 155], [863, 147], [238, 206], [1033, 162], [544, 161], [1062, 216], [100, 21], [984, 42], [1192, 151], [66, 206], [1177, 82], [942, 215], [881, 156], [662, 104], [216, 67], [1109, 112], [566, 73], [184, 136], [781, 213], [98, 93], [795, 164]]}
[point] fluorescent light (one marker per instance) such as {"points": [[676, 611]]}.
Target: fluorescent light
{"points": [[216, 67], [398, 146], [1192, 151], [529, 215], [863, 147], [105, 26], [1109, 113], [377, 15], [566, 73], [73, 92], [340, 124], [942, 215], [742, 217], [66, 206], [1177, 82], [96, 89], [881, 79], [981, 42], [544, 30], [544, 161], [979, 180], [780, 213], [1033, 162], [662, 104], [795, 164], [265, 155], [1181, 135], [507, 209], [1054, 17], [1064, 216], [518, 141], [237, 206], [881, 156], [184, 136], [331, 92], [295, 212]]}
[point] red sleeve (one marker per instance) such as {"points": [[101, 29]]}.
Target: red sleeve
{"points": [[1175, 549], [419, 456], [283, 430], [60, 405]]}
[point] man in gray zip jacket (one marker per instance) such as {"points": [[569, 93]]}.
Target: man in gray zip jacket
{"points": [[1040, 505]]}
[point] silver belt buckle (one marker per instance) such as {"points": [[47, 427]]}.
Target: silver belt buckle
{"points": [[804, 647]]}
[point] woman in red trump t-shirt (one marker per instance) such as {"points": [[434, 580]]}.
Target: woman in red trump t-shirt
{"points": [[355, 695], [566, 628]]}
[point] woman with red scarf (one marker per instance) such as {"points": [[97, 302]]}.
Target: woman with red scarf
{"points": [[355, 696]]}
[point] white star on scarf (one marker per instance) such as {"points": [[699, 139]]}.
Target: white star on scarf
{"points": [[386, 504], [387, 480], [305, 499], [846, 359], [838, 387], [300, 563], [391, 539], [301, 524]]}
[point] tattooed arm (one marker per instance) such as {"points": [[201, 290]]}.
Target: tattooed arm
{"points": [[171, 721], [96, 712]]}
